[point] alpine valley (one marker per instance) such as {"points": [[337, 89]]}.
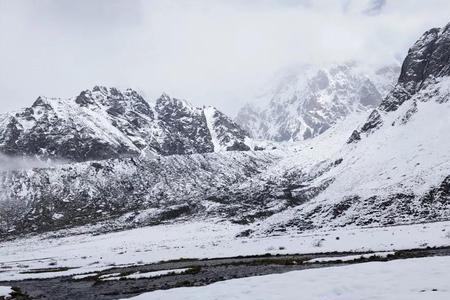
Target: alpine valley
{"points": [[330, 155]]}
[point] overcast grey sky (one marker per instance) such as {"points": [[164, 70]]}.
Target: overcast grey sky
{"points": [[207, 51]]}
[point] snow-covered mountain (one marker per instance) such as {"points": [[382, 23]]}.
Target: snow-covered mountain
{"points": [[106, 123], [385, 166], [395, 166], [308, 100]]}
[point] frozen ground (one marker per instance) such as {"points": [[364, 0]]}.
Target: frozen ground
{"points": [[408, 279], [5, 291], [350, 257], [147, 274], [86, 253]]}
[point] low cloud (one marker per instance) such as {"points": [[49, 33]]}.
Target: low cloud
{"points": [[208, 51], [10, 163]]}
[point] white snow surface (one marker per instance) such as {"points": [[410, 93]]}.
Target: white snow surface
{"points": [[401, 158], [409, 279], [5, 291], [146, 274], [350, 257], [86, 253], [209, 115], [156, 273], [77, 277], [409, 157]]}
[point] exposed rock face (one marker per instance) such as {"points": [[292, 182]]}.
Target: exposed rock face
{"points": [[305, 104], [184, 127], [429, 57], [106, 123], [226, 134], [423, 71], [373, 122]]}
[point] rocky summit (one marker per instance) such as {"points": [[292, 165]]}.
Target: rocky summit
{"points": [[107, 123], [424, 77]]}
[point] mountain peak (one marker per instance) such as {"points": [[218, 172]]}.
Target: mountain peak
{"points": [[164, 96], [425, 66], [308, 101], [106, 123], [41, 102], [427, 60], [166, 100]]}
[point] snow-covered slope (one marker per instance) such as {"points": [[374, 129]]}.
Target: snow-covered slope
{"points": [[106, 123], [225, 134], [393, 169], [395, 166], [147, 190], [237, 186], [308, 100]]}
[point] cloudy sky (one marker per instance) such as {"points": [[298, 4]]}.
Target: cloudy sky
{"points": [[207, 51]]}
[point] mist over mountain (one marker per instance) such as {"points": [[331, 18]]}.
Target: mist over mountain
{"points": [[306, 101], [339, 165], [9, 163]]}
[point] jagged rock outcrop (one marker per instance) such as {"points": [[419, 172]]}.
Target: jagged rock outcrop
{"points": [[423, 77], [226, 134], [107, 123], [184, 127]]}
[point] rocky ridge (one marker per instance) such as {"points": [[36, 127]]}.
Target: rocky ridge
{"points": [[107, 123]]}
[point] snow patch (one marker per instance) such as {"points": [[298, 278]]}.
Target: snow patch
{"points": [[350, 257], [209, 113], [145, 275], [5, 291]]}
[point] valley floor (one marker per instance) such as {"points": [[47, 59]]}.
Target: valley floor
{"points": [[406, 279], [129, 263], [136, 280], [83, 253]]}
